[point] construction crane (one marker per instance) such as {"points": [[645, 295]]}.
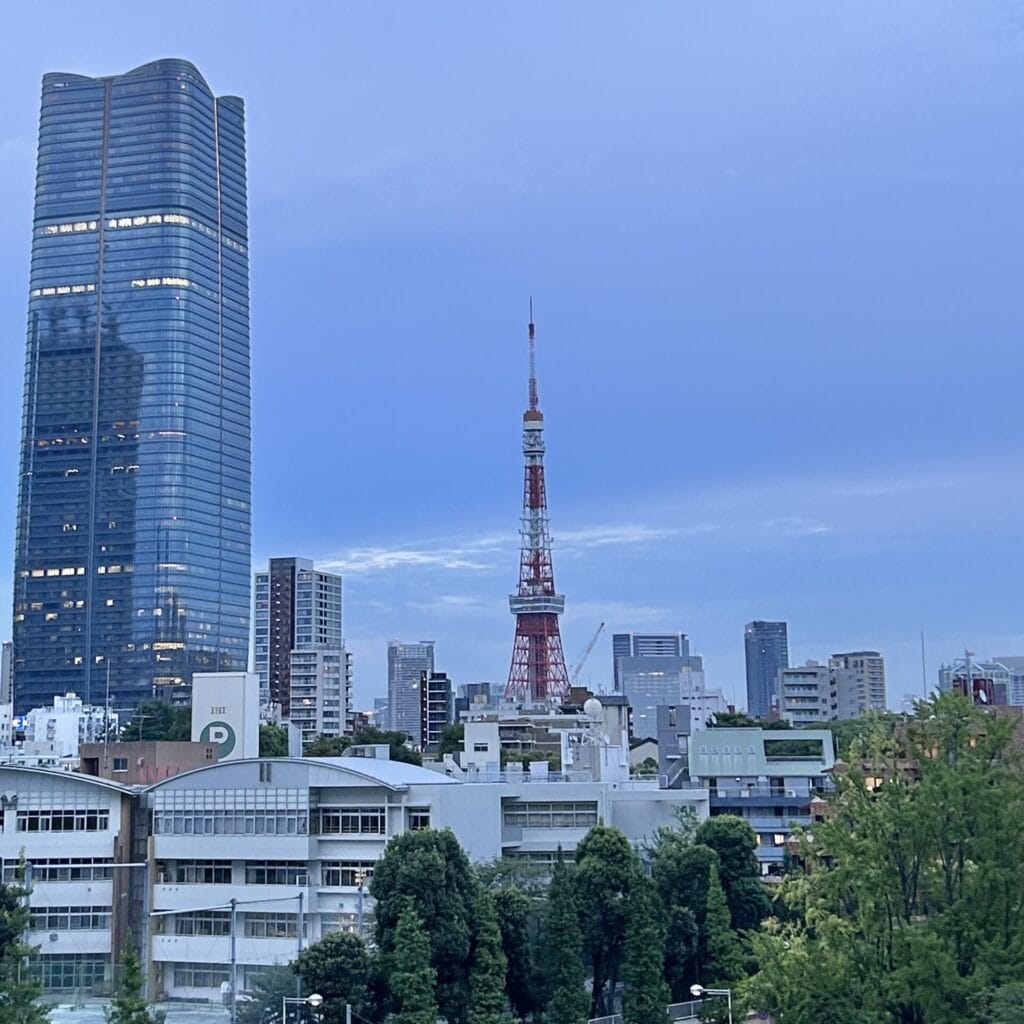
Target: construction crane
{"points": [[575, 677]]}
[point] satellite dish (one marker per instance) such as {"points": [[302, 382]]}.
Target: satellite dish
{"points": [[592, 707]]}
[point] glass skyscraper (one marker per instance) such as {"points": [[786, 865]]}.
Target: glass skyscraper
{"points": [[766, 646], [132, 564]]}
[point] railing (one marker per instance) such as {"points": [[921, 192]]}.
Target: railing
{"points": [[684, 1011], [772, 793]]}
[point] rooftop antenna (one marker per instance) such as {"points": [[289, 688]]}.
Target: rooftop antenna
{"points": [[924, 670]]}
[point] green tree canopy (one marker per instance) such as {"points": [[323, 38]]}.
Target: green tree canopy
{"points": [[273, 740], [411, 977], [155, 720], [335, 746], [607, 868], [129, 1005], [909, 896], [735, 843], [562, 967], [487, 1004], [452, 736], [19, 989], [429, 870], [646, 992], [337, 968], [513, 909], [267, 990]]}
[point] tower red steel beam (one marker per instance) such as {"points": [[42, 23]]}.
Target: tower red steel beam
{"points": [[538, 672]]}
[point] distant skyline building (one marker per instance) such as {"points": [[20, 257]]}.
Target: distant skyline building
{"points": [[656, 669], [1001, 680], [406, 664], [132, 555], [299, 647], [646, 645], [766, 647], [859, 680], [807, 695]]}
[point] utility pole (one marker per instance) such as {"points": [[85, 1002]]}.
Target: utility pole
{"points": [[234, 964]]}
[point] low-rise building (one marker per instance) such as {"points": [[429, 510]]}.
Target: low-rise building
{"points": [[767, 777]]}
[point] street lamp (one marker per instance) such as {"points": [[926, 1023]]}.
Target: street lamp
{"points": [[699, 992], [315, 1000]]}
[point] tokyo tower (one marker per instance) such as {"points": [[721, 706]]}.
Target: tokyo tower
{"points": [[538, 670]]}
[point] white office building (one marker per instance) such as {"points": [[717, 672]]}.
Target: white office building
{"points": [[73, 832]]}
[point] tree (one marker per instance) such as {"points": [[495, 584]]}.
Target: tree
{"points": [[513, 910], [412, 979], [397, 741], [487, 975], [908, 892], [648, 766], [607, 867], [452, 737], [269, 987], [682, 871], [19, 988], [273, 740], [735, 842], [1006, 1004], [326, 746], [129, 1005], [156, 720], [646, 992], [723, 962], [337, 968], [429, 870], [562, 961]]}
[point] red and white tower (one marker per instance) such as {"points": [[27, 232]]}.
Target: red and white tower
{"points": [[538, 670]]}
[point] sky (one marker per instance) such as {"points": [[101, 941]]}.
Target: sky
{"points": [[775, 251]]}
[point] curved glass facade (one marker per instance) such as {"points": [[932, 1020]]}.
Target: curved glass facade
{"points": [[133, 539]]}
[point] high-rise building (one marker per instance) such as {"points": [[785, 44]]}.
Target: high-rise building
{"points": [[406, 664], [766, 647], [656, 669], [859, 680], [299, 648], [132, 555], [646, 645], [437, 708]]}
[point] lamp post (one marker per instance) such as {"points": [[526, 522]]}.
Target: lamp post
{"points": [[699, 992], [315, 1001]]}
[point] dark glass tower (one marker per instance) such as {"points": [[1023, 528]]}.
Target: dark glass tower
{"points": [[132, 565], [767, 652]]}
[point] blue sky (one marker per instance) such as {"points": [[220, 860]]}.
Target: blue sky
{"points": [[776, 253]]}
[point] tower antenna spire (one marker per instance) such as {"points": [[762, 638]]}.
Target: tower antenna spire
{"points": [[538, 673], [533, 362]]}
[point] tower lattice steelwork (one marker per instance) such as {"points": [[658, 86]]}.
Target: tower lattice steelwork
{"points": [[538, 671]]}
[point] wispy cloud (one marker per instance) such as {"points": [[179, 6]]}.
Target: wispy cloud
{"points": [[369, 560]]}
